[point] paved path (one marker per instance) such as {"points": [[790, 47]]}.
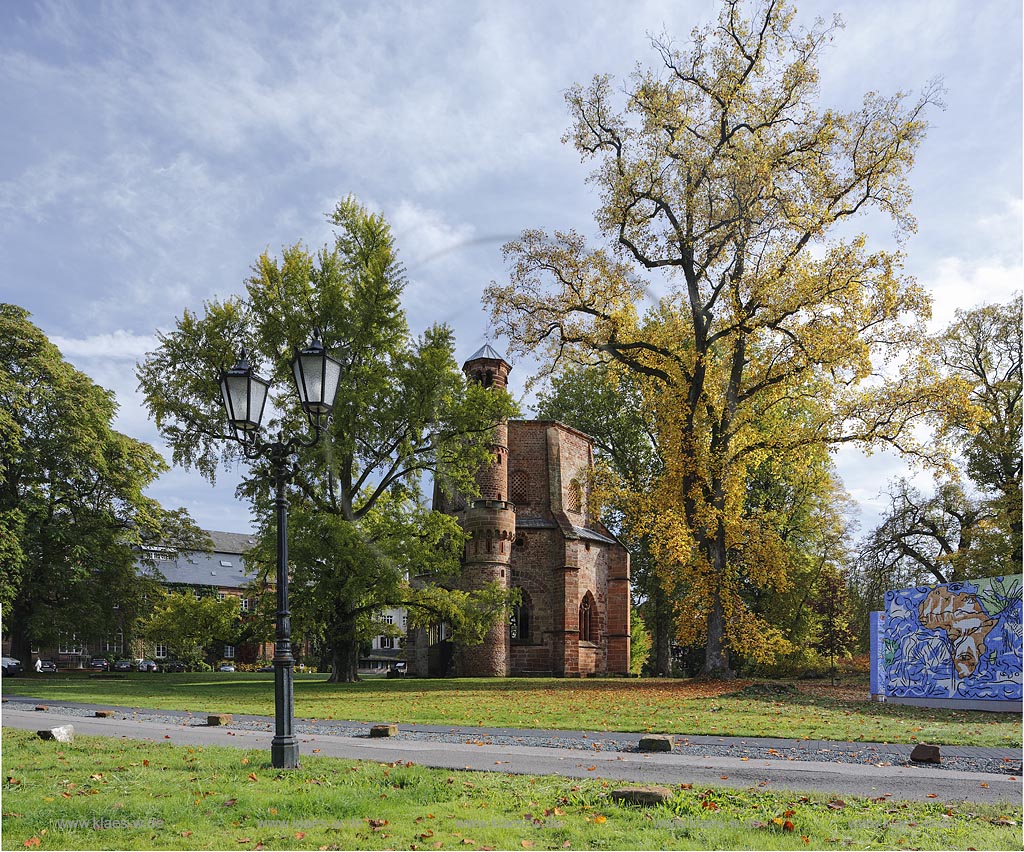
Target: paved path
{"points": [[843, 779]]}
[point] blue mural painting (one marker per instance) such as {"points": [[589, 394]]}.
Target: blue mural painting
{"points": [[959, 640]]}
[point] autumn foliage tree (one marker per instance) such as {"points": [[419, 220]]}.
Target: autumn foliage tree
{"points": [[728, 192]]}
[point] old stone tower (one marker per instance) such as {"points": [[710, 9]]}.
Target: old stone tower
{"points": [[531, 529]]}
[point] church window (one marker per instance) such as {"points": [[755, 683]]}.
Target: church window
{"points": [[521, 542], [520, 618], [588, 619]]}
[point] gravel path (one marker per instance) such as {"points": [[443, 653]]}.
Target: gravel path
{"points": [[1003, 761]]}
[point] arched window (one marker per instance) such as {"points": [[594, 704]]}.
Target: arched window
{"points": [[588, 619], [520, 618]]}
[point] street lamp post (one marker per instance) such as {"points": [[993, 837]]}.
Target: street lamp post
{"points": [[244, 395]]}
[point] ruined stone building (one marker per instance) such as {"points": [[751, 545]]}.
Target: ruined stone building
{"points": [[531, 529]]}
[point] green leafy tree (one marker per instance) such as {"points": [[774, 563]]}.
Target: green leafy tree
{"points": [[970, 525], [358, 526], [189, 624], [74, 521], [722, 182]]}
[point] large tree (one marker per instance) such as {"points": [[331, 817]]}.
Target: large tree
{"points": [[74, 521], [360, 529], [725, 188]]}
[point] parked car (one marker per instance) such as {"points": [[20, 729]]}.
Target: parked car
{"points": [[99, 664], [267, 668], [11, 666], [147, 666], [122, 665], [226, 667], [173, 666], [47, 667]]}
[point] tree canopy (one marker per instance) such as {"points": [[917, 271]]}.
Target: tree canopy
{"points": [[360, 530], [725, 197], [74, 518]]}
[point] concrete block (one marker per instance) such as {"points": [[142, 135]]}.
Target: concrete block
{"points": [[646, 796], [62, 734], [925, 754], [215, 719], [384, 731], [657, 742]]}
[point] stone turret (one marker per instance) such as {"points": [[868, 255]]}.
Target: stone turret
{"points": [[491, 522]]}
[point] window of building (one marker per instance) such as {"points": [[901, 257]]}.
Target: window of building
{"points": [[519, 487], [160, 651], [229, 652], [386, 642], [588, 619], [220, 596], [71, 645], [244, 603], [519, 620], [114, 644], [389, 619]]}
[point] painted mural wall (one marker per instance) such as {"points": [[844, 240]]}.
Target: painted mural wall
{"points": [[959, 641]]}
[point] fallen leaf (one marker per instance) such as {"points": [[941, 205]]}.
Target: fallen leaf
{"points": [[933, 795], [526, 844], [591, 768], [600, 820], [984, 783], [788, 825], [33, 841], [145, 763], [299, 835], [252, 776]]}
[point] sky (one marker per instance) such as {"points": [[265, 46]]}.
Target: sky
{"points": [[152, 151]]}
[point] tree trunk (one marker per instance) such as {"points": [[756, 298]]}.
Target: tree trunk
{"points": [[344, 655], [21, 637], [664, 631], [716, 655]]}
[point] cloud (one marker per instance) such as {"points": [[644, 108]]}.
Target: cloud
{"points": [[119, 344], [956, 283]]}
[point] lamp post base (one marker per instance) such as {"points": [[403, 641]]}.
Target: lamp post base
{"points": [[284, 753]]}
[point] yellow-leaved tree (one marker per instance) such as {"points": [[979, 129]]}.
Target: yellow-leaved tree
{"points": [[779, 331]]}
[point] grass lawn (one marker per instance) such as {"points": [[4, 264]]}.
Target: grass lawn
{"points": [[103, 793], [811, 710]]}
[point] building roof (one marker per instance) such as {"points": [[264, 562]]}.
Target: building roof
{"points": [[224, 566], [486, 351]]}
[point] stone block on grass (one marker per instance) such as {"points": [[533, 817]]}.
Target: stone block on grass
{"points": [[646, 796], [62, 734], [215, 719], [657, 742], [384, 731]]}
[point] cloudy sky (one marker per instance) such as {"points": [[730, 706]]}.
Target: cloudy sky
{"points": [[151, 151]]}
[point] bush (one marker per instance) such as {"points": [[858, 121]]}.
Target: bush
{"points": [[202, 667]]}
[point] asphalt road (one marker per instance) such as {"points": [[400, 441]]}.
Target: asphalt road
{"points": [[842, 779]]}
